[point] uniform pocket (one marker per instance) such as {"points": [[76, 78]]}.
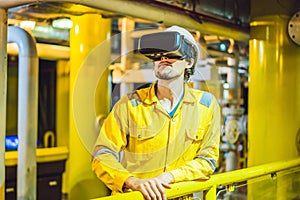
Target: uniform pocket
{"points": [[141, 134], [141, 143], [142, 154], [195, 134], [193, 141]]}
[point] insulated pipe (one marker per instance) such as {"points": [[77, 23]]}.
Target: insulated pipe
{"points": [[236, 53], [126, 47], [149, 12], [3, 93], [27, 111]]}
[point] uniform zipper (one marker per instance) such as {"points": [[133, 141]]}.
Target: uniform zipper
{"points": [[167, 146]]}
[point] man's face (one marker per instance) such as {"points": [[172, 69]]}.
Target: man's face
{"points": [[169, 68]]}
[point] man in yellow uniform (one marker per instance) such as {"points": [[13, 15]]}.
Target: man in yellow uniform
{"points": [[162, 134]]}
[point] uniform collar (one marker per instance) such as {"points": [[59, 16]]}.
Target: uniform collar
{"points": [[189, 96], [148, 96]]}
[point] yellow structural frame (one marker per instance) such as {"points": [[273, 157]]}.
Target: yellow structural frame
{"points": [[223, 179], [42, 155]]}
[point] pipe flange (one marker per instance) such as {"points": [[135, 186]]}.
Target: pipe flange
{"points": [[294, 28]]}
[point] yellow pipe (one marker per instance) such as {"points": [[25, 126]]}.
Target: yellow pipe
{"points": [[274, 109], [87, 33], [124, 196], [211, 193], [62, 110], [227, 178], [62, 102], [49, 135]]}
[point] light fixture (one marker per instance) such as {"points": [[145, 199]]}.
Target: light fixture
{"points": [[222, 47], [27, 24], [62, 23], [226, 85]]}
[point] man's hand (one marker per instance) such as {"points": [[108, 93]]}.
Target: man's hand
{"points": [[152, 188]]}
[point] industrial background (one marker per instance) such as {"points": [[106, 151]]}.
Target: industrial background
{"points": [[65, 63]]}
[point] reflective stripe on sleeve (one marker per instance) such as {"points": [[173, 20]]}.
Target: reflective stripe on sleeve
{"points": [[106, 151], [211, 161]]}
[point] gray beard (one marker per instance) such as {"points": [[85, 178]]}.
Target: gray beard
{"points": [[165, 76]]}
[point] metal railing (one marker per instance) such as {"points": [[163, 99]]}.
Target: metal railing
{"points": [[227, 179]]}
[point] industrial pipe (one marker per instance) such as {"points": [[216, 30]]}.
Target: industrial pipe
{"points": [[27, 111], [148, 12], [126, 46], [45, 51], [3, 93]]}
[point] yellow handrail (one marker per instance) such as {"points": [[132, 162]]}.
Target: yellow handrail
{"points": [[227, 178]]}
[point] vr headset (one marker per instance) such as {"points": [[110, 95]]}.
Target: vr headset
{"points": [[170, 44]]}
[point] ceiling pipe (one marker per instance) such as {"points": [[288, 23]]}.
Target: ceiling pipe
{"points": [[201, 15], [44, 51], [149, 12], [27, 111]]}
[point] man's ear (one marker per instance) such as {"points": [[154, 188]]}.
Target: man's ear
{"points": [[190, 63]]}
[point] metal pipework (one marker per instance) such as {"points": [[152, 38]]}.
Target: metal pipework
{"points": [[27, 111], [151, 13], [3, 94]]}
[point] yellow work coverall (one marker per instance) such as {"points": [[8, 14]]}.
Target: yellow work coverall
{"points": [[139, 138]]}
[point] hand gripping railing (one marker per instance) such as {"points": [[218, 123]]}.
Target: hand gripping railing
{"points": [[210, 186]]}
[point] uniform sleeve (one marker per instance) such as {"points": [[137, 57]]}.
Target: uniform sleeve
{"points": [[204, 164], [108, 148]]}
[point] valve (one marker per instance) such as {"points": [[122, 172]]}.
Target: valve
{"points": [[232, 131]]}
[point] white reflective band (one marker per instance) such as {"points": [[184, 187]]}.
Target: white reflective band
{"points": [[211, 161]]}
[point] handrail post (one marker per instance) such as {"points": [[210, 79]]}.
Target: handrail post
{"points": [[3, 95], [211, 193]]}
